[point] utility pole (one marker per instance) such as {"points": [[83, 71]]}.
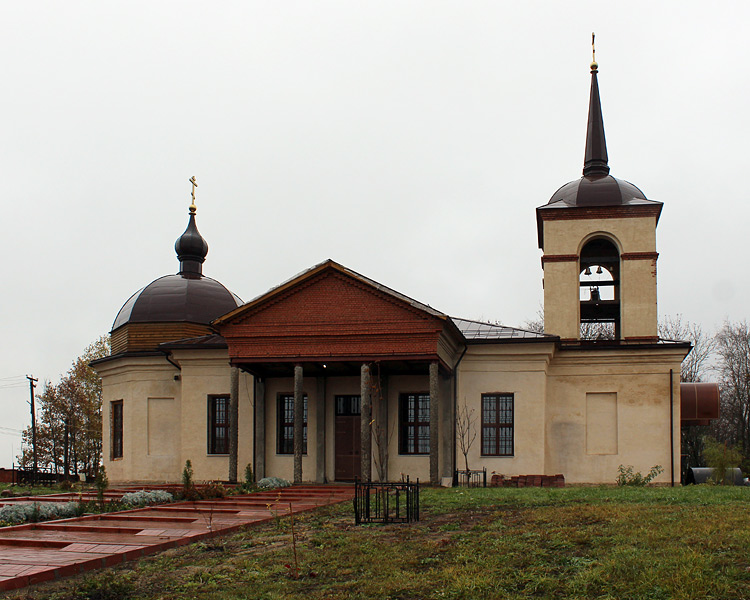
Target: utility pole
{"points": [[32, 385]]}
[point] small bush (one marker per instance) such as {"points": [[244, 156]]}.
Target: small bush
{"points": [[273, 482], [626, 475], [188, 486], [722, 459], [144, 498], [249, 475], [248, 485], [102, 483], [33, 512], [213, 489]]}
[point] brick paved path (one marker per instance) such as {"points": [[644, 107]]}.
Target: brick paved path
{"points": [[38, 552]]}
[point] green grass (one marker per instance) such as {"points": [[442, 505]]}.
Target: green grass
{"points": [[484, 543], [36, 490]]}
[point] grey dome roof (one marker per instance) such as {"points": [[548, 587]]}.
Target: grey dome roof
{"points": [[598, 190], [174, 298]]}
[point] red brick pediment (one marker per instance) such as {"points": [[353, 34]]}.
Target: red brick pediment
{"points": [[329, 313]]}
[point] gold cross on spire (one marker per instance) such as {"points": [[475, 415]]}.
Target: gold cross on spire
{"points": [[192, 194], [594, 66]]}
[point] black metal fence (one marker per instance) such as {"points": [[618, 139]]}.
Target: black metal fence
{"points": [[471, 478], [41, 477], [386, 502]]}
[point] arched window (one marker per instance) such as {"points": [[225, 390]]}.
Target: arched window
{"points": [[600, 290]]}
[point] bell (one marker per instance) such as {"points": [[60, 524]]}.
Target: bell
{"points": [[599, 270], [587, 271]]}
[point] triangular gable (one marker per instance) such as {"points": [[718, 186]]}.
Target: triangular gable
{"points": [[330, 312]]}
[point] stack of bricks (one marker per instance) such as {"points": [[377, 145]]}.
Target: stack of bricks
{"points": [[519, 481]]}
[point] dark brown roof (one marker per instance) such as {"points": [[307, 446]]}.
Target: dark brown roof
{"points": [[176, 298]]}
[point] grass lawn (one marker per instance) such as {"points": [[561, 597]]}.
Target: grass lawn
{"points": [[34, 490], [666, 543]]}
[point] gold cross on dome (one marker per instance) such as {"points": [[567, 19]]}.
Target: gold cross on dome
{"points": [[192, 193]]}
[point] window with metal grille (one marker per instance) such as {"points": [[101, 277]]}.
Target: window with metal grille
{"points": [[285, 419], [116, 437], [348, 406], [218, 424], [497, 424], [414, 423]]}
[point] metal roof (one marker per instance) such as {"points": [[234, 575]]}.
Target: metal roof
{"points": [[177, 298], [479, 331]]}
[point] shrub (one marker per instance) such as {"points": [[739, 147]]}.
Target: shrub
{"points": [[144, 498], [37, 511], [188, 486], [213, 489], [273, 482], [102, 483], [249, 475], [626, 475], [721, 458]]}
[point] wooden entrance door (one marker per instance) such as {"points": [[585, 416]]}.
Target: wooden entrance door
{"points": [[347, 442]]}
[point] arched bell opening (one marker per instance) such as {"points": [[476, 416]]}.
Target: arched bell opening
{"points": [[599, 281]]}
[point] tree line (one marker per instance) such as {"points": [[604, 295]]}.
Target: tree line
{"points": [[69, 419]]}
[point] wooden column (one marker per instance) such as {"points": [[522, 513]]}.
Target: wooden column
{"points": [[366, 423], [434, 424], [234, 415], [259, 439], [299, 424]]}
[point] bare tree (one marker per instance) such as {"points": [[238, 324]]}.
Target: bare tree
{"points": [[589, 331], [696, 364], [695, 367], [536, 324], [597, 331], [381, 436], [466, 431], [733, 349]]}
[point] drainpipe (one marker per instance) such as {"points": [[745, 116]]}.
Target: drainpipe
{"points": [[671, 423], [168, 356], [455, 407]]}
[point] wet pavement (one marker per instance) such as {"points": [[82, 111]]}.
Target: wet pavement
{"points": [[38, 552]]}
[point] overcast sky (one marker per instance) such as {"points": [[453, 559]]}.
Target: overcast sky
{"points": [[410, 141]]}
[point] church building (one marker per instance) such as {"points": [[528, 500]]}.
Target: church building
{"points": [[331, 375]]}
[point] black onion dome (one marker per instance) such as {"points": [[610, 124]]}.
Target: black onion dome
{"points": [[188, 296], [175, 298], [191, 248]]}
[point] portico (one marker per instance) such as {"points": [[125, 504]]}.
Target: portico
{"points": [[352, 378]]}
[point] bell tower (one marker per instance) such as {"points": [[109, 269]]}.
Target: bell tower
{"points": [[598, 236]]}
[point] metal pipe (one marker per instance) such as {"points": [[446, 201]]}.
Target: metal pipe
{"points": [[671, 424], [168, 356]]}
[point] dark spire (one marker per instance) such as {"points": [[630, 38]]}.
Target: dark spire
{"points": [[191, 248], [596, 159]]}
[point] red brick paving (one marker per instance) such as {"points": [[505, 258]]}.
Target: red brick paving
{"points": [[38, 552]]}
